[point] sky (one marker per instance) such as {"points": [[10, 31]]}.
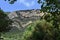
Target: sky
{"points": [[19, 5]]}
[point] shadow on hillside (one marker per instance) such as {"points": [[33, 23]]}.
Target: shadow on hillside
{"points": [[14, 29]]}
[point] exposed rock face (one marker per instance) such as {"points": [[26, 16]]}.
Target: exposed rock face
{"points": [[26, 14], [23, 17], [12, 15]]}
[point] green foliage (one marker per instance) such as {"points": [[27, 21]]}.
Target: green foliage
{"points": [[4, 22], [50, 5], [48, 28], [28, 31], [43, 31]]}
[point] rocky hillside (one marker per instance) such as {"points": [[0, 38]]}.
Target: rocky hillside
{"points": [[23, 18], [26, 15]]}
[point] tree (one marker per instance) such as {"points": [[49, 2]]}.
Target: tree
{"points": [[49, 29], [5, 22], [52, 7]]}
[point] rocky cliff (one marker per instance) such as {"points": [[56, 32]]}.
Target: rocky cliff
{"points": [[23, 18]]}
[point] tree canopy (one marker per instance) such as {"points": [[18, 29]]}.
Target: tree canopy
{"points": [[48, 28], [5, 22], [50, 5]]}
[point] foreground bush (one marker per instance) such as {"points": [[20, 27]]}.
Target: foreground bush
{"points": [[41, 30]]}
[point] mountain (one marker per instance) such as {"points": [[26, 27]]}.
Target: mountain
{"points": [[22, 18]]}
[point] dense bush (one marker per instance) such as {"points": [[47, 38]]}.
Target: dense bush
{"points": [[5, 22], [43, 31]]}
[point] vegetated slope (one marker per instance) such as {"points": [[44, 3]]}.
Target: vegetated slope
{"points": [[19, 34], [16, 34], [39, 30]]}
